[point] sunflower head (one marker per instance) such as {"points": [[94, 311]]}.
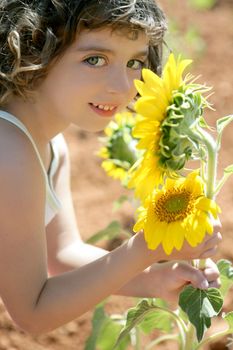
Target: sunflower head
{"points": [[178, 142], [179, 211], [169, 110], [120, 151]]}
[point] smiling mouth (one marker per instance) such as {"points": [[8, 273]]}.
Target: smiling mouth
{"points": [[104, 109]]}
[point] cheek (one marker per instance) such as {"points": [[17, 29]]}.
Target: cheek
{"points": [[133, 92]]}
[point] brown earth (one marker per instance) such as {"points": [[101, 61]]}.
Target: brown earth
{"points": [[94, 192]]}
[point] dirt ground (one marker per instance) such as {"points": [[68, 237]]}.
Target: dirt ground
{"points": [[94, 192]]}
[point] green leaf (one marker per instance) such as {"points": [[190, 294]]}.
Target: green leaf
{"points": [[226, 275], [137, 314], [221, 124], [229, 318], [97, 322], [201, 306], [158, 319], [111, 231], [108, 336]]}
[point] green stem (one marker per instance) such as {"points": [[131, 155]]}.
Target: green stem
{"points": [[190, 338], [212, 337], [137, 339], [180, 323], [211, 147], [221, 183], [161, 339], [210, 180]]}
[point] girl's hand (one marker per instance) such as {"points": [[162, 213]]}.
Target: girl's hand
{"points": [[175, 275], [166, 280]]}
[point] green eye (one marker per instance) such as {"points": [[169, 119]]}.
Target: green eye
{"points": [[135, 64], [96, 61]]}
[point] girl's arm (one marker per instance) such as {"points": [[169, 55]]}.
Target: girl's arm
{"points": [[67, 250], [36, 302]]}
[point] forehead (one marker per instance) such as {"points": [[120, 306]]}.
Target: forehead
{"points": [[110, 38]]}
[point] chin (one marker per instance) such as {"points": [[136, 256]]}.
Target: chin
{"points": [[95, 127]]}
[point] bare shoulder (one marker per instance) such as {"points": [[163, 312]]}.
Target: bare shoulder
{"points": [[22, 180], [19, 165]]}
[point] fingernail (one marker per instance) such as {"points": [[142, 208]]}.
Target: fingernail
{"points": [[204, 284]]}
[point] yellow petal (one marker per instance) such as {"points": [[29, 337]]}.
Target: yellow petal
{"points": [[178, 234], [143, 89], [208, 205], [151, 78], [153, 240], [194, 184], [168, 240]]}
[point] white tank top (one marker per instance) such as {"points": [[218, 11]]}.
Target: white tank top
{"points": [[52, 202]]}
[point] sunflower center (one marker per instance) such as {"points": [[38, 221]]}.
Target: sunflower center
{"points": [[174, 205]]}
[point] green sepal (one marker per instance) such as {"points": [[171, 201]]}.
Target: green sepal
{"points": [[177, 143], [226, 275], [122, 147], [200, 306]]}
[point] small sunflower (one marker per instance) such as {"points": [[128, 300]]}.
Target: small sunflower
{"points": [[168, 110], [179, 211], [119, 152]]}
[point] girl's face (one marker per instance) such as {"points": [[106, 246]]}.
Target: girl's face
{"points": [[94, 78]]}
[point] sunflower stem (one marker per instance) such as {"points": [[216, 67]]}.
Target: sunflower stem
{"points": [[190, 338], [211, 147], [161, 339], [137, 339], [212, 338]]}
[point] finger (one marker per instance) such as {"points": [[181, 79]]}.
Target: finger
{"points": [[214, 240], [192, 275], [209, 253], [216, 225], [215, 284], [211, 273]]}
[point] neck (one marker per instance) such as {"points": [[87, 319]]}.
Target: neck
{"points": [[42, 125]]}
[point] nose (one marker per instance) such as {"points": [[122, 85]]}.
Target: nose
{"points": [[120, 82]]}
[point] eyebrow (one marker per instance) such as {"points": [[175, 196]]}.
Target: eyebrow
{"points": [[102, 49]]}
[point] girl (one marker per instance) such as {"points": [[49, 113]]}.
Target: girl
{"points": [[68, 62]]}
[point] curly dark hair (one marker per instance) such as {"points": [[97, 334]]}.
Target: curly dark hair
{"points": [[33, 33]]}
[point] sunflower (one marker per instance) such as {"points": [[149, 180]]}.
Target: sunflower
{"points": [[179, 211], [119, 152], [168, 110]]}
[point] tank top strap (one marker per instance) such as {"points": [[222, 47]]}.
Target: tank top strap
{"points": [[50, 195], [12, 119]]}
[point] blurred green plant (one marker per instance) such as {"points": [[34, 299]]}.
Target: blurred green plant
{"points": [[119, 331], [203, 4], [188, 43]]}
